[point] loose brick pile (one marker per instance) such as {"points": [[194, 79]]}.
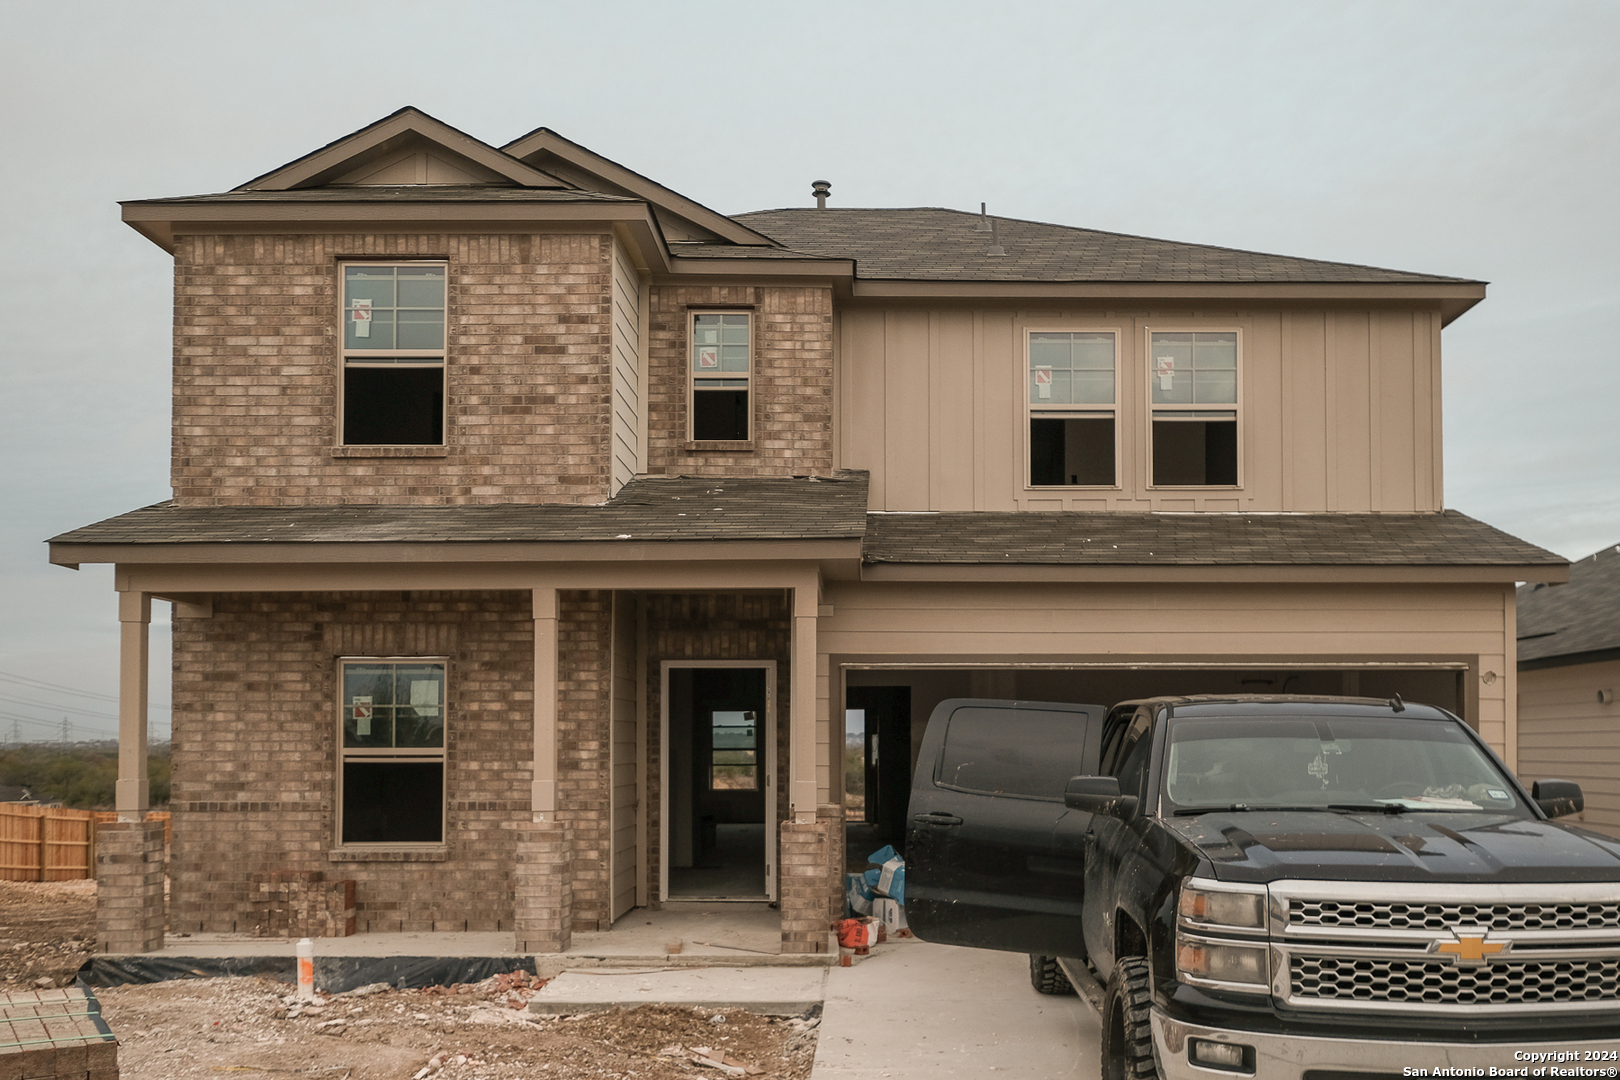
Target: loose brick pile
{"points": [[55, 1035], [301, 903]]}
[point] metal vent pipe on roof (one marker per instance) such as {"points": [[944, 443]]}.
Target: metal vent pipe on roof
{"points": [[984, 221], [821, 189], [995, 240]]}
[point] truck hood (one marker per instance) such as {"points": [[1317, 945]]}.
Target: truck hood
{"points": [[1259, 846]]}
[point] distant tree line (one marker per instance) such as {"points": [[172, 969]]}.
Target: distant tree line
{"points": [[82, 777]]}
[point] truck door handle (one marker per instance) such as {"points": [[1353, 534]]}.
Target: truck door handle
{"points": [[938, 818]]}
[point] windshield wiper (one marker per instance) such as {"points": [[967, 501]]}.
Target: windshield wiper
{"points": [[1337, 808]]}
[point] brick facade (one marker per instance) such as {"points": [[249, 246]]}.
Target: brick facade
{"points": [[255, 745], [257, 366], [792, 381]]}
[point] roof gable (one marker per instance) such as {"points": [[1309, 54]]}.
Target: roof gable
{"points": [[543, 148], [407, 147]]}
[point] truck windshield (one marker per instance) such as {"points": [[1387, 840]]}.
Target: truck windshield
{"points": [[1331, 763]]}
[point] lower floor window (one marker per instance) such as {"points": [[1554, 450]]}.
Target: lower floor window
{"points": [[391, 780], [1195, 448]]}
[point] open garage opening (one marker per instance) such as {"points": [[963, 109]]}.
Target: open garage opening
{"points": [[887, 707]]}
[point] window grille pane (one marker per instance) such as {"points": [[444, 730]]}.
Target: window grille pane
{"points": [[421, 286], [373, 283], [420, 330], [1049, 350], [1094, 351], [374, 333]]}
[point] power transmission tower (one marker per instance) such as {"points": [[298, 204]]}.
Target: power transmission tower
{"points": [[67, 730]]}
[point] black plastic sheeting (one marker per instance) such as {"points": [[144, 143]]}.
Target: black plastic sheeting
{"points": [[333, 974]]}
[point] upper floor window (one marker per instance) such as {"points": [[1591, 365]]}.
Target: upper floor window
{"points": [[1194, 375], [1072, 409], [393, 354], [722, 372]]}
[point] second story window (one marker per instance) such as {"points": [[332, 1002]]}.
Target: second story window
{"points": [[393, 354], [722, 370], [1072, 408], [1195, 408]]}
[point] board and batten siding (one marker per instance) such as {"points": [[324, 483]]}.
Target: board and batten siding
{"points": [[1567, 733], [1108, 623], [1340, 409], [629, 371]]}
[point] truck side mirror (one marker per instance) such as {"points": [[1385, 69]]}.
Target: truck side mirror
{"points": [[1558, 798], [1099, 795]]}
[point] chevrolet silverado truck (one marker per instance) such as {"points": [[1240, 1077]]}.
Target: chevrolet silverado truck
{"points": [[1308, 888]]}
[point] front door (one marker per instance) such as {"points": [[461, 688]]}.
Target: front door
{"points": [[720, 782]]}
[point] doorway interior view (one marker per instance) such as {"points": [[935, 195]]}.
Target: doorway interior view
{"points": [[720, 782]]}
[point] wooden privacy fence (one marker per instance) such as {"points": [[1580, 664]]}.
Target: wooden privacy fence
{"points": [[39, 843]]}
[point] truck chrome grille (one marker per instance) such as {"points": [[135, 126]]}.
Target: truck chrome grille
{"points": [[1322, 978], [1398, 916]]}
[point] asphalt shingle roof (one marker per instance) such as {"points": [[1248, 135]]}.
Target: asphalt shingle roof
{"points": [[1580, 617], [1134, 539], [932, 244], [647, 508]]}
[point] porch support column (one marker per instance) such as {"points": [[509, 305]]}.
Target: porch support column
{"points": [[802, 705], [543, 798], [805, 841], [129, 852], [542, 872], [133, 791]]}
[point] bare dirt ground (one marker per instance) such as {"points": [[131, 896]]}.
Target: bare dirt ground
{"points": [[197, 1028]]}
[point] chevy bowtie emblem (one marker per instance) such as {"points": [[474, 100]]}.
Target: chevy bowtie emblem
{"points": [[1468, 946]]}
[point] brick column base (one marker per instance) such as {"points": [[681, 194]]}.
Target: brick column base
{"points": [[129, 886], [543, 896], [833, 815], [807, 910]]}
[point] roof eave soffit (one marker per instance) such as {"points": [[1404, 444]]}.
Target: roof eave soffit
{"points": [[406, 130], [544, 148]]}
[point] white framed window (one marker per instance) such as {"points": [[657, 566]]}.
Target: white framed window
{"points": [[391, 774], [1193, 375], [393, 320], [1073, 413], [720, 406]]}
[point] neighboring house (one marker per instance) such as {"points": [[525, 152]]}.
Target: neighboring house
{"points": [[1569, 673], [11, 793], [534, 526]]}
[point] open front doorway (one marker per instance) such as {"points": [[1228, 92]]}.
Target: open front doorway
{"points": [[719, 781], [877, 768]]}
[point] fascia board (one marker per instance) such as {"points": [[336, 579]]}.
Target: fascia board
{"points": [[757, 268], [607, 551], [334, 157], [194, 581], [1460, 296], [544, 139], [1259, 574], [161, 222]]}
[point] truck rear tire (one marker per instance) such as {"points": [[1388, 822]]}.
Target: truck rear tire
{"points": [[1127, 1030], [1047, 977]]}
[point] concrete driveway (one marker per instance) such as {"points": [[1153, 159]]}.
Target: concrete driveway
{"points": [[938, 1012]]}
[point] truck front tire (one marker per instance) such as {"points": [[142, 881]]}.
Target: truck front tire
{"points": [[1127, 1031], [1046, 976]]}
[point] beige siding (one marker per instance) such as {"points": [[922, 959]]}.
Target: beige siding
{"points": [[625, 759], [1565, 732], [628, 371], [1339, 409], [1105, 624]]}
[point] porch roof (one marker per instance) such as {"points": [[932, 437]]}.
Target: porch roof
{"points": [[1576, 623], [649, 508]]}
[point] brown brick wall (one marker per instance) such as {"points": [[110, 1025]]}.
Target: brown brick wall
{"points": [[792, 381], [255, 743], [256, 372], [584, 789], [129, 890]]}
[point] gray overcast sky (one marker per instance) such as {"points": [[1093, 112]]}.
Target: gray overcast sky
{"points": [[1477, 138]]}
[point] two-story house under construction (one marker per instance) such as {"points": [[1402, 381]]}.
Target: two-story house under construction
{"points": [[541, 536]]}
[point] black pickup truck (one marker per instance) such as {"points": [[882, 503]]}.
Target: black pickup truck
{"points": [[1307, 888]]}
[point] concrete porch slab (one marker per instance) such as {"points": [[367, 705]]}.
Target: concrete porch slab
{"points": [[773, 991]]}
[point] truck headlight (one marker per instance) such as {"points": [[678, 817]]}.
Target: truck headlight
{"points": [[1207, 903], [1209, 961]]}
